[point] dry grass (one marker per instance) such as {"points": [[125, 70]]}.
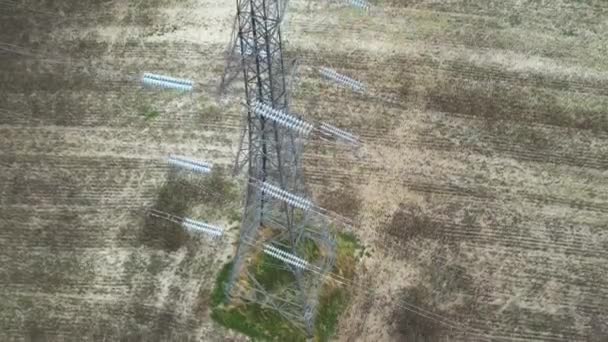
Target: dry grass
{"points": [[480, 197], [479, 192], [83, 162]]}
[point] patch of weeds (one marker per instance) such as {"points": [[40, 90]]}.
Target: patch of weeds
{"points": [[271, 273], [218, 295], [149, 113], [334, 299], [251, 319], [308, 250], [346, 257], [331, 306], [262, 324], [258, 323]]}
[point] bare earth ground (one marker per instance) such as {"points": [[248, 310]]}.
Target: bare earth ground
{"points": [[481, 196]]}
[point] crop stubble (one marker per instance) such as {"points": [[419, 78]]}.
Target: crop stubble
{"points": [[480, 196], [80, 164], [496, 154]]}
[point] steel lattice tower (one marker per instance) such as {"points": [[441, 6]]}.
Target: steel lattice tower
{"points": [[273, 156]]}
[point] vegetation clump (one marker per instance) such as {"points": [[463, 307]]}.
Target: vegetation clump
{"points": [[149, 113], [267, 325]]}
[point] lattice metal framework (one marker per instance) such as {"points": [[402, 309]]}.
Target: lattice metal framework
{"points": [[273, 215], [233, 52]]}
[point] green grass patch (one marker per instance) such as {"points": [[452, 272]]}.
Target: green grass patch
{"points": [[218, 295], [334, 299], [309, 250], [270, 273], [258, 323], [149, 113], [331, 304], [347, 244], [252, 320], [262, 324]]}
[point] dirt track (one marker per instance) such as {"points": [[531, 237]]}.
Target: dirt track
{"points": [[483, 190]]}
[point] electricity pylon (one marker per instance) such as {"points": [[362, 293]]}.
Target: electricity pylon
{"points": [[277, 220]]}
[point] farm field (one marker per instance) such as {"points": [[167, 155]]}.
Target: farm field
{"points": [[480, 193]]}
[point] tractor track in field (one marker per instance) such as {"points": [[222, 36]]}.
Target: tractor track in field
{"points": [[337, 169]]}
